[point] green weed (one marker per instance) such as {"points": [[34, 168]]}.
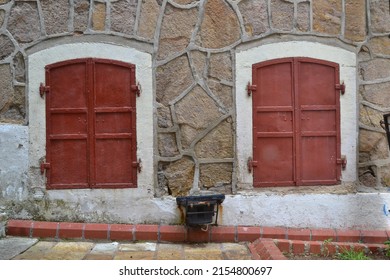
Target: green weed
{"points": [[351, 254], [387, 250]]}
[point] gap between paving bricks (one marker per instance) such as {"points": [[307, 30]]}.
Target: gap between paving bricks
{"points": [[264, 242]]}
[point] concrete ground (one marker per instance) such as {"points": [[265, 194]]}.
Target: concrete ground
{"points": [[20, 248]]}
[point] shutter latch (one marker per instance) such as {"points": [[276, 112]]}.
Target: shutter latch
{"points": [[342, 161], [138, 165], [341, 87], [251, 164], [44, 166], [43, 89], [250, 88]]}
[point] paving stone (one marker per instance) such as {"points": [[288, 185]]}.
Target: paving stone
{"points": [[147, 246], [98, 257], [69, 251], [170, 252], [105, 248], [37, 251], [136, 255], [13, 246]]}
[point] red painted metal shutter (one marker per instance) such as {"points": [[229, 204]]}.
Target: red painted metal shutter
{"points": [[91, 132], [296, 123]]}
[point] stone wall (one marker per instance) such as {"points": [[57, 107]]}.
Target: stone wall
{"points": [[194, 46]]}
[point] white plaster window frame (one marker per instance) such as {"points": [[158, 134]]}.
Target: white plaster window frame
{"points": [[348, 102], [144, 104]]}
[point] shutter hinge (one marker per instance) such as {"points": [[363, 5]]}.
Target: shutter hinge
{"points": [[43, 89], [251, 164], [342, 161], [250, 88], [341, 87], [138, 165], [137, 89], [44, 166]]}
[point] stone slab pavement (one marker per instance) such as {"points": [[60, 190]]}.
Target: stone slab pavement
{"points": [[18, 248]]}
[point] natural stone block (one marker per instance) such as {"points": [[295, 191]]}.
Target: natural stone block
{"points": [[123, 14], [380, 45], [180, 176], [282, 15], [2, 17], [355, 20], [327, 16], [221, 66], [195, 111], [255, 16], [20, 68], [6, 90], [373, 145], [368, 176], [81, 11], [218, 143], [172, 79], [385, 175], [184, 2], [99, 16], [6, 47], [380, 16], [167, 146], [148, 18], [164, 118], [378, 68], [56, 15], [176, 30], [187, 134], [303, 16], [378, 94], [370, 116], [24, 22], [199, 63], [364, 54], [222, 92], [15, 110], [4, 1], [220, 26], [215, 174]]}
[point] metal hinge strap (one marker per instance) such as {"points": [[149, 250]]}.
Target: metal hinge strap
{"points": [[44, 166], [43, 89], [342, 161], [251, 164], [250, 88], [341, 88], [137, 89], [138, 165]]}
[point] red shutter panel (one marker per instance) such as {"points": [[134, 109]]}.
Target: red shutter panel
{"points": [[114, 137], [67, 125], [296, 122], [319, 122], [91, 140], [273, 125]]}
